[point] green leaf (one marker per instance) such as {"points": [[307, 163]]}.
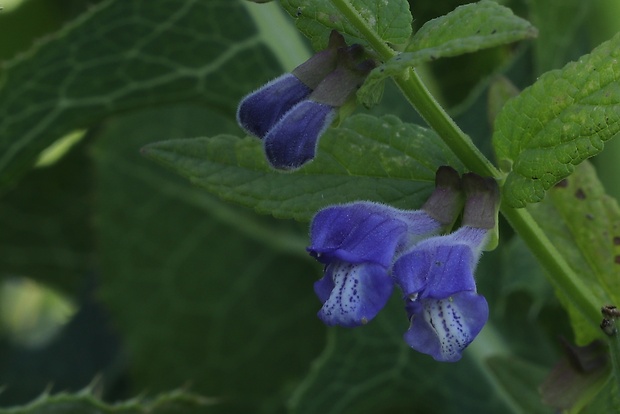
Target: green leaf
{"points": [[523, 275], [467, 29], [372, 370], [560, 39], [50, 240], [367, 158], [203, 293], [561, 120], [391, 20], [500, 91], [85, 402], [124, 55], [584, 223], [520, 380], [606, 401], [523, 309]]}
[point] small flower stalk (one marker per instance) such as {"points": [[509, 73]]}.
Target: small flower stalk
{"points": [[291, 112], [367, 248]]}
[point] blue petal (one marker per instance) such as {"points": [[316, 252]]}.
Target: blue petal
{"points": [[366, 232], [259, 111], [356, 233], [440, 266], [293, 139], [442, 328], [435, 270], [356, 293]]}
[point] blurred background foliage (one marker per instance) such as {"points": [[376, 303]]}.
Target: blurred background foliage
{"points": [[114, 269]]}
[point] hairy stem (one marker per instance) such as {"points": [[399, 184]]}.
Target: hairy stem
{"points": [[560, 273]]}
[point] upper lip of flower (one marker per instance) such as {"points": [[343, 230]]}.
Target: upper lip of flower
{"points": [[366, 232]]}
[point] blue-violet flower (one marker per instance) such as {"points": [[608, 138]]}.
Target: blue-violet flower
{"points": [[437, 278], [293, 140], [357, 242]]}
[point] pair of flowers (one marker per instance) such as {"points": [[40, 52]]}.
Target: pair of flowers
{"points": [[367, 248], [291, 112]]}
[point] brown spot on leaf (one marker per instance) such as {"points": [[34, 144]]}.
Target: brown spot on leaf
{"points": [[562, 184], [617, 240], [580, 194], [617, 259]]}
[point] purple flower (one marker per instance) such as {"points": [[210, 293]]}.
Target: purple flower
{"points": [[357, 243], [293, 140], [437, 280], [291, 112]]}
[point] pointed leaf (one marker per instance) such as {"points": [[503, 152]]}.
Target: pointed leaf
{"points": [[561, 120], [367, 158], [467, 29], [390, 19]]}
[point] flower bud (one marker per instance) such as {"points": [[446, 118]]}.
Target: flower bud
{"points": [[260, 110]]}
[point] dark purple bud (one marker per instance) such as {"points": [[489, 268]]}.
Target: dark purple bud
{"points": [[259, 111], [293, 139]]}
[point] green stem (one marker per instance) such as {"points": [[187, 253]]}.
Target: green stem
{"points": [[558, 270], [560, 274], [427, 106], [365, 30]]}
